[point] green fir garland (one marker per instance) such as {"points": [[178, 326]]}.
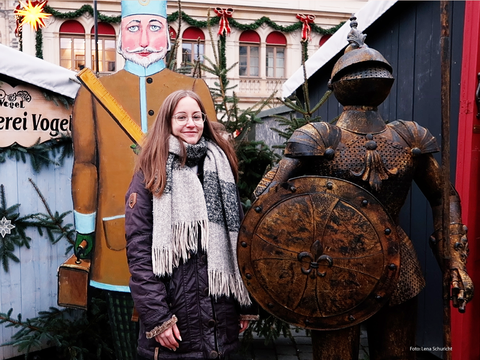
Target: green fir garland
{"points": [[197, 23], [51, 152], [84, 9], [39, 44]]}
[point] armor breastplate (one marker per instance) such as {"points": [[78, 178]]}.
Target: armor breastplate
{"points": [[381, 163]]}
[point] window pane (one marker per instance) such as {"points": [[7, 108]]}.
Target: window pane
{"points": [[100, 55], [65, 49], [270, 63], [280, 65], [66, 63], [243, 63], [254, 60], [72, 52], [79, 54], [110, 54], [201, 50], [186, 53]]}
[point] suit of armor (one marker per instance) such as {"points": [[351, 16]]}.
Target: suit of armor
{"points": [[383, 159]]}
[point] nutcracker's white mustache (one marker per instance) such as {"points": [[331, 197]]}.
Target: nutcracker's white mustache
{"points": [[144, 49], [145, 61]]}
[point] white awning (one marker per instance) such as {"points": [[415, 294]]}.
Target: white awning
{"points": [[366, 16], [35, 71]]}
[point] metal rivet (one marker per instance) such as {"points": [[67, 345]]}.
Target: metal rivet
{"points": [[351, 318], [329, 185], [364, 202], [416, 151], [149, 80], [244, 244], [392, 267], [329, 153], [258, 209], [151, 112], [249, 276], [293, 188], [378, 297], [388, 231]]}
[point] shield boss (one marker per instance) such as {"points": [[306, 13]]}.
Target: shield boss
{"points": [[320, 253]]}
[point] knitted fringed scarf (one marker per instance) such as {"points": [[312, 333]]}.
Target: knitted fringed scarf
{"points": [[187, 212]]}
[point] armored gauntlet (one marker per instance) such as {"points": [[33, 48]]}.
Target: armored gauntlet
{"points": [[462, 285]]}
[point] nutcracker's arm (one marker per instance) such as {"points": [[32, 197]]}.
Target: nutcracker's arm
{"points": [[84, 173]]}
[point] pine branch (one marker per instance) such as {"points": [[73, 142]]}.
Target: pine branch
{"points": [[75, 334], [54, 221]]}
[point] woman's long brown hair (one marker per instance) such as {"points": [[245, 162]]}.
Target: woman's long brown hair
{"points": [[153, 157]]}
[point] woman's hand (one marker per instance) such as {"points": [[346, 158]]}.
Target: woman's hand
{"points": [[243, 325], [169, 338]]}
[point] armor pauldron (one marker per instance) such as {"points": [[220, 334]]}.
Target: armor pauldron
{"points": [[314, 139], [419, 139]]}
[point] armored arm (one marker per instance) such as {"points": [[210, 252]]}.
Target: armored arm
{"points": [[84, 173], [280, 173], [429, 180], [313, 140]]}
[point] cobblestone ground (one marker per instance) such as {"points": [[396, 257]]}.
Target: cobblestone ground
{"points": [[300, 349], [286, 349]]}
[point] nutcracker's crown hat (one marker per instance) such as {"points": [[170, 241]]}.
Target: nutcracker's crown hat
{"points": [[144, 7]]}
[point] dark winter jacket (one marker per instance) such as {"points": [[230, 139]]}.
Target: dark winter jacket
{"points": [[209, 328]]}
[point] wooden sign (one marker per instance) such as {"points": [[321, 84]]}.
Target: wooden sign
{"points": [[26, 116]]}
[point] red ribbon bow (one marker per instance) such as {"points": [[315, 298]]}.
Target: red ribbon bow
{"points": [[306, 19], [224, 14]]}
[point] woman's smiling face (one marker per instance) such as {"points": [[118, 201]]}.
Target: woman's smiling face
{"points": [[191, 131]]}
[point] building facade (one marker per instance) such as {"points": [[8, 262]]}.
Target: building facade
{"points": [[261, 57]]}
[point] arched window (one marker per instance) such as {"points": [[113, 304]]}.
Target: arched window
{"points": [[193, 46], [249, 53], [106, 48], [72, 45], [276, 44], [324, 38]]}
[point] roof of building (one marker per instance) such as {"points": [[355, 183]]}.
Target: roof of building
{"points": [[366, 16], [38, 72]]}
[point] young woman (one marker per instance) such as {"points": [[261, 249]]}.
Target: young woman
{"points": [[181, 220]]}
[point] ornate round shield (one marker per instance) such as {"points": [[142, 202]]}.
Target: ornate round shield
{"points": [[318, 252]]}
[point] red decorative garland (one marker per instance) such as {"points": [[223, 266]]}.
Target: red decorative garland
{"points": [[306, 19], [224, 25]]}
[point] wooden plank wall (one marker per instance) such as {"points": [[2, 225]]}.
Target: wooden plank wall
{"points": [[30, 286], [408, 37]]}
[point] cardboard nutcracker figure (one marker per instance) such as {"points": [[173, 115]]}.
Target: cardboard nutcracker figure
{"points": [[104, 159], [321, 246]]}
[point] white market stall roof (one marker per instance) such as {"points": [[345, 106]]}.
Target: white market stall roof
{"points": [[38, 72], [366, 16]]}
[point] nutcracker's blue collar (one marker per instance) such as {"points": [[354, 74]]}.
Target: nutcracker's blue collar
{"points": [[139, 70]]}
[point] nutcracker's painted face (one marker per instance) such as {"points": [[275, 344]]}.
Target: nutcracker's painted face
{"points": [[144, 39]]}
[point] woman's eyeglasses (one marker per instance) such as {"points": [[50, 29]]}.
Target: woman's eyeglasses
{"points": [[182, 118]]}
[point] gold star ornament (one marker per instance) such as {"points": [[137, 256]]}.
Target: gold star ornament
{"points": [[32, 13]]}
